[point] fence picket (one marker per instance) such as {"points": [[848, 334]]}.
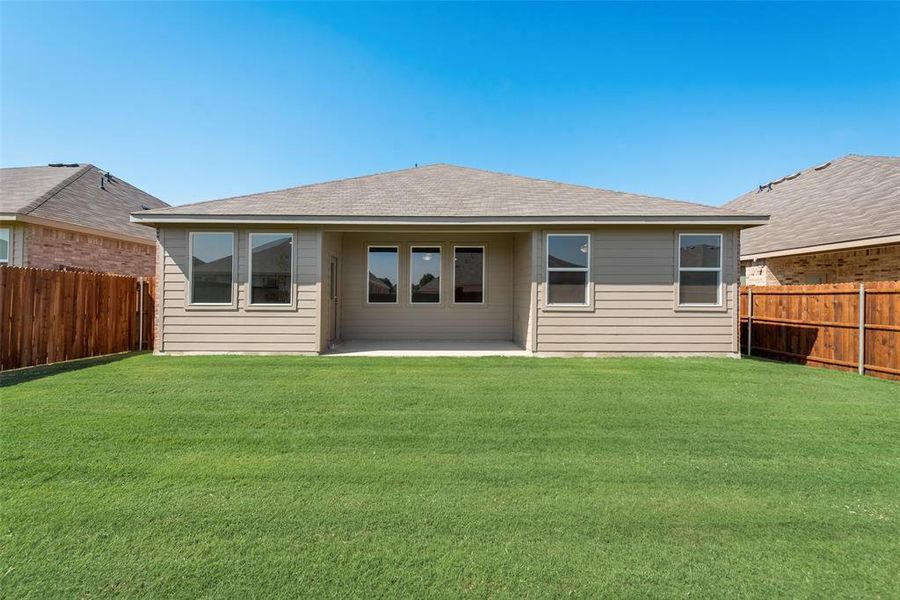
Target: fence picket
{"points": [[819, 325], [49, 316]]}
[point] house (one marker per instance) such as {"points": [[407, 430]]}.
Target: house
{"points": [[834, 223], [74, 217], [443, 253]]}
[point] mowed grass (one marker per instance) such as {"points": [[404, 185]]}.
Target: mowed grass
{"points": [[267, 477]]}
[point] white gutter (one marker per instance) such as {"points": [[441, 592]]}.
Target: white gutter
{"points": [[159, 219], [877, 241]]}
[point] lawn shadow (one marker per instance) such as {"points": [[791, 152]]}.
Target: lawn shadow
{"points": [[25, 374]]}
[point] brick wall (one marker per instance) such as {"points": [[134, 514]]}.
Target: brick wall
{"points": [[50, 248], [878, 263]]}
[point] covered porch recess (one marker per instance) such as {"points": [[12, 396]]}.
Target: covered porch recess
{"points": [[427, 292]]}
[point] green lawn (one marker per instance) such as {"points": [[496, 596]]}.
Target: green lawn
{"points": [[501, 477]]}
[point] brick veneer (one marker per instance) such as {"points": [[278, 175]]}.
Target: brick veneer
{"points": [[50, 248], [877, 263]]}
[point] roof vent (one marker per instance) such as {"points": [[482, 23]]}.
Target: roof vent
{"points": [[822, 166], [144, 207], [63, 165]]}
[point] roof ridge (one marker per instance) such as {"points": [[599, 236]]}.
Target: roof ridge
{"points": [[867, 158], [43, 198], [791, 176]]}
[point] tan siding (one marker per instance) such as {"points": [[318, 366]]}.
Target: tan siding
{"points": [[331, 246], [633, 270], [243, 329], [522, 289], [491, 321]]}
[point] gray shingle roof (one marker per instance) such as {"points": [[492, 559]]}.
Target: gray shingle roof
{"points": [[848, 199], [72, 194], [440, 192]]}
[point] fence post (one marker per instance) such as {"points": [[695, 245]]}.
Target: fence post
{"points": [[749, 321], [141, 314], [862, 329]]}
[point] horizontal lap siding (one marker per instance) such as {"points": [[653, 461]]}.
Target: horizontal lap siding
{"points": [[633, 270], [244, 329], [403, 321], [522, 281]]}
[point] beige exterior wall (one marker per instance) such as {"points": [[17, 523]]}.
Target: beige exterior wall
{"points": [[633, 293], [446, 321], [524, 290], [51, 248], [242, 328], [330, 324], [876, 263], [634, 311]]}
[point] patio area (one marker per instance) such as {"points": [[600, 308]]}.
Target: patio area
{"points": [[427, 348]]}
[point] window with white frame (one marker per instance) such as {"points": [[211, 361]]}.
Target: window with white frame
{"points": [[212, 267], [383, 274], [568, 269], [425, 275], [468, 274], [700, 269], [4, 245], [271, 265]]}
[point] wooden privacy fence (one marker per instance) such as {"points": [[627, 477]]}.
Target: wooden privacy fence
{"points": [[49, 316], [847, 326]]}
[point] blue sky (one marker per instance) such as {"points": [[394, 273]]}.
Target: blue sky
{"points": [[691, 101]]}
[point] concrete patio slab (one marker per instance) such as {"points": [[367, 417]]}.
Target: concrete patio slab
{"points": [[427, 348]]}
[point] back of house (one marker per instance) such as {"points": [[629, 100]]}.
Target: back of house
{"points": [[446, 253]]}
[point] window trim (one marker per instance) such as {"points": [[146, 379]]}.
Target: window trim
{"points": [[369, 270], [483, 275], [9, 243], [291, 290], [412, 248], [588, 287], [720, 296], [234, 265]]}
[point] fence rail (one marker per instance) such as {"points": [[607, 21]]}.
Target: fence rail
{"points": [[846, 326], [49, 316]]}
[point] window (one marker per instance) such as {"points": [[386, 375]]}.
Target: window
{"points": [[4, 245], [212, 267], [568, 260], [699, 269], [468, 274], [270, 268], [384, 271], [425, 275]]}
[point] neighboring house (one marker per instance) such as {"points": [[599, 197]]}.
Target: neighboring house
{"points": [[74, 217], [834, 223], [448, 253]]}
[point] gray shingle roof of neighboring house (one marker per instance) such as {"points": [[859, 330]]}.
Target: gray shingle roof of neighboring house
{"points": [[848, 199], [72, 194], [442, 193]]}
